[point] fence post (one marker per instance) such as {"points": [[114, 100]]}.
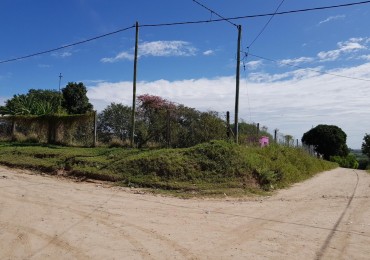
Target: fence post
{"points": [[168, 128], [228, 125], [13, 128], [95, 128]]}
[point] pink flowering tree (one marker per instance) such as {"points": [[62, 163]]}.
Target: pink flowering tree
{"points": [[152, 119], [163, 123]]}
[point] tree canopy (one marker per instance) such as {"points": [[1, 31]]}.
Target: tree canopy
{"points": [[366, 145], [75, 100], [114, 120], [35, 102], [164, 122], [328, 140], [160, 122]]}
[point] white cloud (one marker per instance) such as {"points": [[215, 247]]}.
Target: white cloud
{"points": [[62, 54], [292, 101], [294, 75], [254, 64], [365, 57], [296, 61], [157, 49], [350, 46], [332, 18], [120, 56], [208, 52], [167, 48]]}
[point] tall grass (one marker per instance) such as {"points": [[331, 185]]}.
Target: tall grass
{"points": [[215, 167]]}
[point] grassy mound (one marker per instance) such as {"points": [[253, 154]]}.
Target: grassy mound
{"points": [[216, 167]]}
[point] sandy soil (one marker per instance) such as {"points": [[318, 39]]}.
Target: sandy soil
{"points": [[45, 217]]}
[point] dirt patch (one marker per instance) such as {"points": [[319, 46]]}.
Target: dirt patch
{"points": [[43, 217]]}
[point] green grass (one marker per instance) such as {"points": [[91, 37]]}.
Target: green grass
{"points": [[210, 169]]}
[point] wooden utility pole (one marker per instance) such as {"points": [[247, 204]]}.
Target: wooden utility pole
{"points": [[60, 93], [134, 87], [275, 135], [228, 125], [236, 127]]}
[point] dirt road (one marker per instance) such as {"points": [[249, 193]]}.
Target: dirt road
{"points": [[43, 217]]}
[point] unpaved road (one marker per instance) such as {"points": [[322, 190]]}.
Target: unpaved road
{"points": [[43, 217]]}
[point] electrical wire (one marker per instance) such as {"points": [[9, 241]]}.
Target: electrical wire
{"points": [[248, 99], [213, 12], [66, 46], [264, 27], [255, 15], [296, 66], [182, 23]]}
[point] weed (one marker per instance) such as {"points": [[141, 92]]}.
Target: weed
{"points": [[208, 169]]}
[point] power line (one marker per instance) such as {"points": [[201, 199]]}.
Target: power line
{"points": [[256, 15], [264, 27], [183, 23], [66, 46], [213, 12], [299, 10], [296, 66]]}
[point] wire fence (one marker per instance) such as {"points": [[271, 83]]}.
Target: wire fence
{"points": [[72, 130], [169, 130]]}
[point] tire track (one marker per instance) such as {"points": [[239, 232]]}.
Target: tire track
{"points": [[329, 238], [54, 240], [93, 215], [29, 200]]}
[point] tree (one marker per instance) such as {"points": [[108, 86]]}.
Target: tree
{"points": [[152, 119], [193, 127], [114, 120], [162, 122], [328, 140], [366, 145], [35, 102], [250, 134], [75, 100]]}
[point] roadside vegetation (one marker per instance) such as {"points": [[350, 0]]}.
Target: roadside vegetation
{"points": [[208, 169], [174, 152]]}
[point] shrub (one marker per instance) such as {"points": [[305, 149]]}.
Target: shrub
{"points": [[116, 142], [349, 161]]}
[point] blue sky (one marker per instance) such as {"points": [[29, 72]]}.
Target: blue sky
{"points": [[195, 64]]}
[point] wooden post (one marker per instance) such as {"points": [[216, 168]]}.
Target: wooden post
{"points": [[168, 128], [134, 86], [228, 124], [236, 126], [14, 124], [95, 129], [275, 135]]}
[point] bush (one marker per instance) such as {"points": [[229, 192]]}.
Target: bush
{"points": [[216, 167], [116, 142], [349, 161]]}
